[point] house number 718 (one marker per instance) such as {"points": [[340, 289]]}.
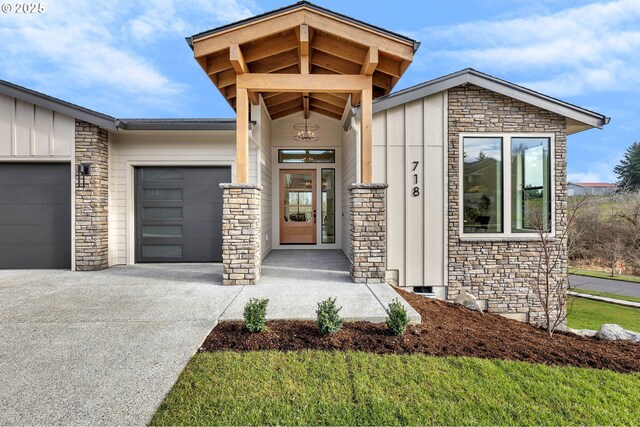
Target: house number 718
{"points": [[415, 191]]}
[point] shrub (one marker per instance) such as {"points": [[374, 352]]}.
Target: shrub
{"points": [[254, 314], [329, 320], [397, 319]]}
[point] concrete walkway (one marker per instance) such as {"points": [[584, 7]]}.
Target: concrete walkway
{"points": [[605, 299], [611, 286], [104, 348], [295, 281]]}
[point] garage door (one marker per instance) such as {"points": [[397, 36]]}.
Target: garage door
{"points": [[179, 213], [35, 215]]}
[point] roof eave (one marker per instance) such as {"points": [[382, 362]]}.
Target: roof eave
{"points": [[471, 76], [45, 101], [301, 5], [176, 125]]}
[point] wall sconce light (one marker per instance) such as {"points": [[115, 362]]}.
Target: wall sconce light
{"points": [[84, 169]]}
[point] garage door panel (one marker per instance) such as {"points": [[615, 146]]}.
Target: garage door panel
{"points": [[35, 173], [194, 230], [202, 194], [35, 234], [35, 256], [34, 194], [35, 214], [179, 213], [202, 250]]}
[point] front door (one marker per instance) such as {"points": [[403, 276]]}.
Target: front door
{"points": [[297, 207]]}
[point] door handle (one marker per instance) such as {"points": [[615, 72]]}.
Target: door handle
{"points": [[314, 216]]}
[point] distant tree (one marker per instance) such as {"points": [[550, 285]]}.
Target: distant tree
{"points": [[628, 170]]}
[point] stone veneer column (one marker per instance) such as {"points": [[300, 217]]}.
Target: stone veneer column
{"points": [[368, 232], [241, 259], [91, 226]]}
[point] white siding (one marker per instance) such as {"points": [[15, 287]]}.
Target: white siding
{"points": [[265, 166], [416, 240], [350, 141], [31, 132], [131, 149]]}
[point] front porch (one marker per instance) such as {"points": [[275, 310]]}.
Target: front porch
{"points": [[279, 71], [296, 280]]}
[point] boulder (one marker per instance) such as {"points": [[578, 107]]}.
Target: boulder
{"points": [[468, 300], [578, 332], [613, 332]]}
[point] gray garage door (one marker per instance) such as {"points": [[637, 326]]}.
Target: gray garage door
{"points": [[35, 215], [179, 213]]}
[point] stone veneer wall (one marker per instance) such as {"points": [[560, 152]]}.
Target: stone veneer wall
{"points": [[92, 210], [241, 259], [502, 273], [368, 232]]}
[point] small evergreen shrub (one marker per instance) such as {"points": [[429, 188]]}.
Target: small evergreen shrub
{"points": [[255, 312], [329, 320], [397, 319]]}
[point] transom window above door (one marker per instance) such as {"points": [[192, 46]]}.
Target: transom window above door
{"points": [[306, 156]]}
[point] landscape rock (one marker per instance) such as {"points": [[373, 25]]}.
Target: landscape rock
{"points": [[468, 300], [613, 332], [578, 332]]}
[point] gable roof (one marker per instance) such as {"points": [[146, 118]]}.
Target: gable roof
{"points": [[298, 5], [59, 106], [486, 81]]}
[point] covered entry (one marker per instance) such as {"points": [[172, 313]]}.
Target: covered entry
{"points": [[179, 213], [35, 215], [302, 59]]}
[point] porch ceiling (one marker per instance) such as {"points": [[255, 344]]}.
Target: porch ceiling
{"points": [[302, 39]]}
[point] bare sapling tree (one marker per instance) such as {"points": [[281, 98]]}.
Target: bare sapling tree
{"points": [[552, 283]]}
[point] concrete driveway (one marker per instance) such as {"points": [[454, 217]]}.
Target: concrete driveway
{"points": [[101, 347]]}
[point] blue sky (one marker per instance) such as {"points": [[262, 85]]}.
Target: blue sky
{"points": [[129, 59]]}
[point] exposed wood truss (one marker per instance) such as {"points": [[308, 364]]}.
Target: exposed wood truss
{"points": [[302, 58], [302, 41]]}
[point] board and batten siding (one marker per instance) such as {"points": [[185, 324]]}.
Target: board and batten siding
{"points": [[262, 133], [166, 148], [416, 198], [29, 132], [350, 142]]}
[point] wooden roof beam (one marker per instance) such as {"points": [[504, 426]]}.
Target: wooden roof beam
{"points": [[304, 82], [257, 51], [218, 62], [276, 62], [280, 98], [326, 106], [285, 113], [237, 59], [326, 113], [330, 99], [370, 61], [286, 106]]}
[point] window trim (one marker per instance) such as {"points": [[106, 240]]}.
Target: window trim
{"points": [[507, 233]]}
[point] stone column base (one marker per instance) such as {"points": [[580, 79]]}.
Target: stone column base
{"points": [[241, 260], [368, 232]]}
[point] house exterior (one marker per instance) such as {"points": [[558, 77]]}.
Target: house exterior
{"points": [[429, 188], [591, 188]]}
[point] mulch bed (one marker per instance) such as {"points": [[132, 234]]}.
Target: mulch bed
{"points": [[446, 330]]}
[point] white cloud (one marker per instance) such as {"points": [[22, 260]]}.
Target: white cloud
{"points": [[102, 48], [592, 47]]}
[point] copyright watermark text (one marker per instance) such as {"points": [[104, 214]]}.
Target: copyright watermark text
{"points": [[23, 8]]}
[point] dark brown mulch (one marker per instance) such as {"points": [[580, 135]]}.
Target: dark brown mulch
{"points": [[446, 330]]}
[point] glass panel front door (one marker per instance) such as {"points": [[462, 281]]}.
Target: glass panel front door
{"points": [[297, 207]]}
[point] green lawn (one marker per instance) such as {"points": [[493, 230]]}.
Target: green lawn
{"points": [[589, 314], [603, 275], [336, 388], [606, 294]]}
